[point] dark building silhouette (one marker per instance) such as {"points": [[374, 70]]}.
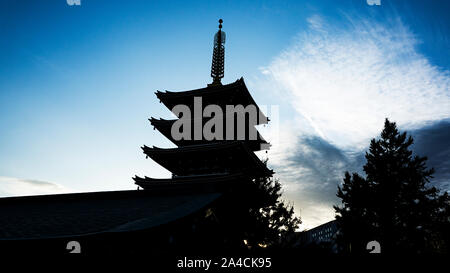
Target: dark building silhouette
{"points": [[318, 240], [169, 214], [325, 233]]}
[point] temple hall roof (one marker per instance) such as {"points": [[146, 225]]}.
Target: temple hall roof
{"points": [[79, 214]]}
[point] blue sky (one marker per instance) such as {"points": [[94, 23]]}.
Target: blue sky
{"points": [[77, 83]]}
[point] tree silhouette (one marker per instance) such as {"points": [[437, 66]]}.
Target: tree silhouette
{"points": [[270, 217], [258, 215], [393, 204]]}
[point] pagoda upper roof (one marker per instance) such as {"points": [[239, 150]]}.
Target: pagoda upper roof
{"points": [[233, 156], [235, 93], [164, 127]]}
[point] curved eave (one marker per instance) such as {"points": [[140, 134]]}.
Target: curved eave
{"points": [[194, 148], [199, 91], [164, 126], [167, 96], [167, 157], [193, 181]]}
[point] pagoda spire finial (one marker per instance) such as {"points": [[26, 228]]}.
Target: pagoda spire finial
{"points": [[218, 59]]}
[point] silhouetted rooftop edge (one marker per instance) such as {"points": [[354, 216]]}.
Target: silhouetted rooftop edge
{"points": [[198, 147], [210, 91], [164, 127], [81, 214], [212, 182], [242, 156]]}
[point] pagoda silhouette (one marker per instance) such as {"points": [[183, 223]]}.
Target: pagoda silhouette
{"points": [[199, 207], [211, 163]]}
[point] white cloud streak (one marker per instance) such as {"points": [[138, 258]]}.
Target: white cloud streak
{"points": [[346, 81], [10, 186]]}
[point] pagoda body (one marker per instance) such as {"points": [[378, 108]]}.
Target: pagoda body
{"points": [[201, 159], [213, 163]]}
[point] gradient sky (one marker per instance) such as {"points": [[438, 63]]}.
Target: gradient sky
{"points": [[77, 85]]}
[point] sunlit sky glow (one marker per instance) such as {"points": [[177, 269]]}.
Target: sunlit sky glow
{"points": [[77, 85]]}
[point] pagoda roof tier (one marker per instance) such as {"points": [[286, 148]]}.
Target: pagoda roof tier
{"points": [[235, 93], [210, 182], [164, 127], [220, 157]]}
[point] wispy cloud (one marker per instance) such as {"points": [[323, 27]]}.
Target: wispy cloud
{"points": [[343, 82], [10, 186]]}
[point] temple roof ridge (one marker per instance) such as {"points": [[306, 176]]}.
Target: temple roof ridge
{"points": [[163, 120], [213, 145], [238, 82]]}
